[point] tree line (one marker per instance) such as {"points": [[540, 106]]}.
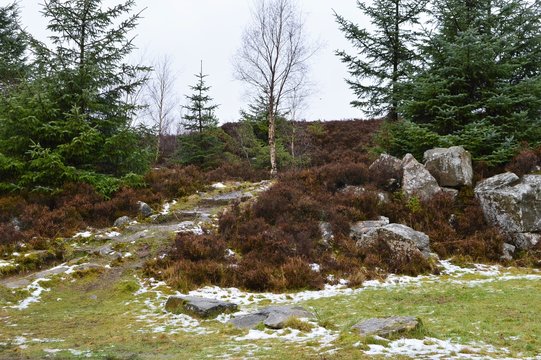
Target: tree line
{"points": [[441, 72]]}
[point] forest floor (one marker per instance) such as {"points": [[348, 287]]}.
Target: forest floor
{"points": [[99, 305]]}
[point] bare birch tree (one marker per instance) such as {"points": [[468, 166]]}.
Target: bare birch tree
{"points": [[161, 99], [273, 59]]}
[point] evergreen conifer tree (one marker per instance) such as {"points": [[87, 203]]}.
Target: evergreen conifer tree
{"points": [[13, 46], [482, 82], [200, 109], [70, 122], [386, 55]]}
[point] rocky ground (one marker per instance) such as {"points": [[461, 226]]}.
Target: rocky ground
{"points": [[99, 305]]}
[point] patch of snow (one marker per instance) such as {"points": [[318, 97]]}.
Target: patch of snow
{"points": [[318, 333], [431, 348], [189, 226], [84, 234], [167, 207], [229, 253], [113, 234], [4, 263], [128, 254], [156, 319], [35, 290], [315, 267], [218, 186]]}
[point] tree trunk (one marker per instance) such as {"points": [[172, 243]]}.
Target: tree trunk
{"points": [[272, 139]]}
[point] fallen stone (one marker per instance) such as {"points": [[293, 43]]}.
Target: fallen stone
{"points": [[144, 209], [122, 221], [201, 307], [401, 239], [417, 181], [274, 317], [508, 252], [385, 327], [514, 205], [362, 227], [450, 166]]}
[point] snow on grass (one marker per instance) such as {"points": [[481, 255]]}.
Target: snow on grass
{"points": [[10, 263], [431, 348], [84, 234], [189, 226], [112, 234], [323, 336], [154, 317], [218, 186], [167, 207], [35, 290]]}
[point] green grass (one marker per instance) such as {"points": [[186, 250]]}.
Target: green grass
{"points": [[97, 313]]}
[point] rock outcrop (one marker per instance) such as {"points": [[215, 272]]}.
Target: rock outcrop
{"points": [[274, 317], [201, 307], [387, 326], [400, 239], [387, 171], [514, 205], [451, 167], [417, 180]]}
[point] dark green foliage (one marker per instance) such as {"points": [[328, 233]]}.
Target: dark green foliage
{"points": [[200, 109], [386, 55], [204, 149], [13, 46], [70, 120], [481, 84]]}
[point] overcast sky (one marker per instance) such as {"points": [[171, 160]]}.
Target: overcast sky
{"points": [[189, 31]]}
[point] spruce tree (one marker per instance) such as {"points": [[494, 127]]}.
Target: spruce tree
{"points": [[13, 46], [200, 109], [70, 122], [386, 55], [482, 82]]}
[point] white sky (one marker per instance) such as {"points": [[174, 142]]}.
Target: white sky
{"points": [[188, 31]]}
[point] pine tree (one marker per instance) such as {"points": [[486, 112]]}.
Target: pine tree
{"points": [[386, 55], [70, 122], [200, 108], [13, 46], [484, 66]]}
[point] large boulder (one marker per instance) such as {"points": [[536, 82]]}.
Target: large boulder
{"points": [[514, 205], [387, 171], [417, 180], [201, 307], [274, 317], [144, 209], [450, 167], [387, 326], [400, 239]]}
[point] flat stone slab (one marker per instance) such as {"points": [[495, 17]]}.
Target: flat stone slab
{"points": [[387, 326], [201, 307], [273, 317]]}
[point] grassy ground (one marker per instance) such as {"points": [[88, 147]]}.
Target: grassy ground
{"points": [[98, 315]]}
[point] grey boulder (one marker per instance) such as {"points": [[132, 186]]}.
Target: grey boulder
{"points": [[122, 221], [514, 205], [387, 326], [450, 166], [201, 307], [401, 239], [417, 180], [387, 170], [144, 209], [274, 317]]}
